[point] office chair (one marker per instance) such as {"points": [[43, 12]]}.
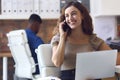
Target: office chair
{"points": [[47, 68], [117, 70], [24, 63]]}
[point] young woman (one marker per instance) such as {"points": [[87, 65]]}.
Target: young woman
{"points": [[78, 37]]}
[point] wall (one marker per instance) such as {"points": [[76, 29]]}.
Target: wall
{"points": [[8, 25], [105, 27], [105, 7]]}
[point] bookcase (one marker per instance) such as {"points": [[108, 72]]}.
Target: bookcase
{"points": [[22, 9]]}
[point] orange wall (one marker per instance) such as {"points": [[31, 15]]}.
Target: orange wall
{"points": [[8, 25]]}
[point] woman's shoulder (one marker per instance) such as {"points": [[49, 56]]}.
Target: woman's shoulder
{"points": [[95, 41], [55, 39]]}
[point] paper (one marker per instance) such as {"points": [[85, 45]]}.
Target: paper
{"points": [[14, 7], [6, 7], [36, 6], [50, 8], [25, 7]]}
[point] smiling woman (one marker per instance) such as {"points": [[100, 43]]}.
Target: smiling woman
{"points": [[80, 39]]}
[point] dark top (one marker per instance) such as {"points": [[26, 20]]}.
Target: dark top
{"points": [[34, 41]]}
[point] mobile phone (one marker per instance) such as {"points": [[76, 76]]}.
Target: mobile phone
{"points": [[66, 27]]}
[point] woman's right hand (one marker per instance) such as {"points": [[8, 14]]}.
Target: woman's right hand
{"points": [[63, 34]]}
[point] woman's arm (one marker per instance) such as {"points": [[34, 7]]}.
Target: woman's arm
{"points": [[58, 53], [118, 58], [104, 46], [59, 49]]}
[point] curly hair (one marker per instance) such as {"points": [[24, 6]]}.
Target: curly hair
{"points": [[87, 26]]}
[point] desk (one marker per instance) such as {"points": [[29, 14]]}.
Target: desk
{"points": [[49, 78], [5, 55], [117, 76], [117, 70]]}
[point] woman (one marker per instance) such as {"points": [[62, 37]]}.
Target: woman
{"points": [[78, 37]]}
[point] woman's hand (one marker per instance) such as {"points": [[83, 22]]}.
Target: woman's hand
{"points": [[62, 33]]}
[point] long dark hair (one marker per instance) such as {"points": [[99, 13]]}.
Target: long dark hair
{"points": [[87, 26]]}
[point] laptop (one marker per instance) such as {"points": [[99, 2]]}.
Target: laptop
{"points": [[95, 65]]}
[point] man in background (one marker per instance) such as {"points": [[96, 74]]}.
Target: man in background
{"points": [[34, 24]]}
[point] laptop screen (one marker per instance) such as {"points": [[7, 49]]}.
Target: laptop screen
{"points": [[95, 65]]}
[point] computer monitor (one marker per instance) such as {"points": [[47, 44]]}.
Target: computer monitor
{"points": [[95, 65]]}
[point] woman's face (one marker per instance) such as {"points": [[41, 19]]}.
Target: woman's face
{"points": [[73, 17]]}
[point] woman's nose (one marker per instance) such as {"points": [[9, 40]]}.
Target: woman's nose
{"points": [[70, 17]]}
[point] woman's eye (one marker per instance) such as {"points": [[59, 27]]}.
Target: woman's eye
{"points": [[73, 13]]}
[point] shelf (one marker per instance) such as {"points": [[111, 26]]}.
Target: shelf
{"points": [[22, 9], [43, 16]]}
